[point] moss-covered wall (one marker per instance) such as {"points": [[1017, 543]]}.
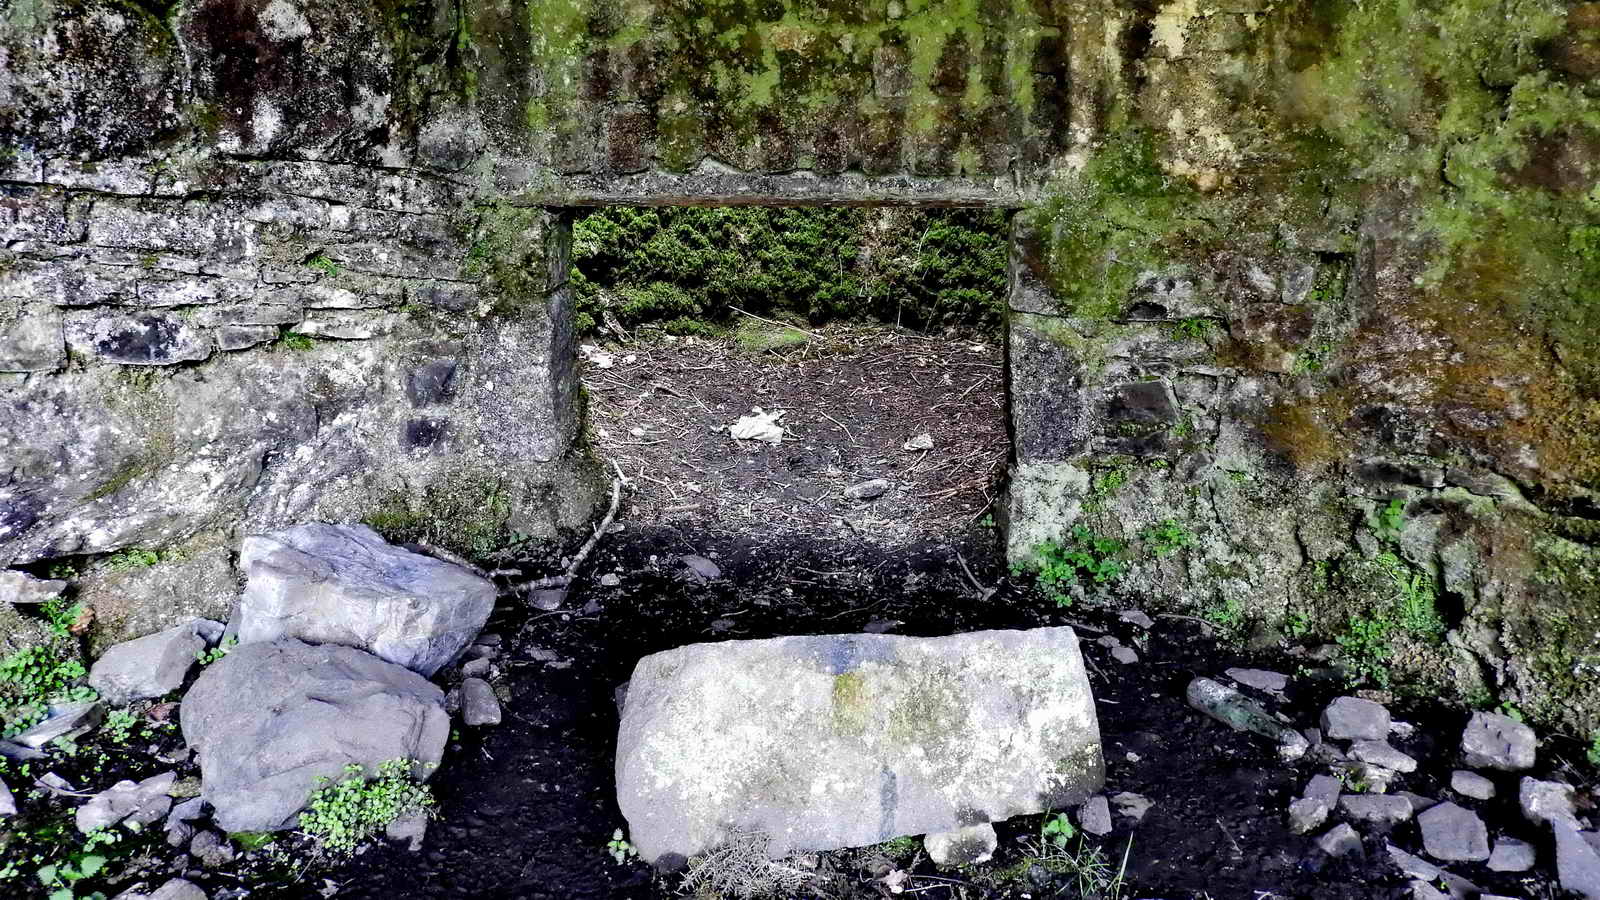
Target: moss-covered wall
{"points": [[1310, 259]]}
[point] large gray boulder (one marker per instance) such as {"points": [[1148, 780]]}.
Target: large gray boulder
{"points": [[343, 584], [152, 665], [269, 718], [823, 742]]}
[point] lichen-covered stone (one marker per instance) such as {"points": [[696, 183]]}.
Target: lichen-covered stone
{"points": [[848, 740]]}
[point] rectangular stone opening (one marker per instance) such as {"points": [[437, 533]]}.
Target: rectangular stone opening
{"points": [[867, 341]]}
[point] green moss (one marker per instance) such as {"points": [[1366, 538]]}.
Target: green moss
{"points": [[850, 707], [467, 516]]}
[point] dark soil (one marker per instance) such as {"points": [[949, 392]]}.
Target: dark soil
{"points": [[852, 397], [528, 806]]}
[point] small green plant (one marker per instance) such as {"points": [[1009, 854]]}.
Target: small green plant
{"points": [[34, 677], [1167, 538], [132, 558], [63, 571], [899, 848], [323, 264], [1364, 647], [341, 815], [1594, 747], [1296, 626], [1056, 831], [119, 726], [1193, 328], [1415, 598], [294, 340], [619, 848], [1511, 711], [1389, 521], [1086, 557], [251, 841], [82, 863], [207, 657], [61, 614], [1227, 613]]}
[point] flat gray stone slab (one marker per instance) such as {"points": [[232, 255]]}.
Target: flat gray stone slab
{"points": [[1471, 784], [149, 666], [1355, 719], [1378, 809], [1453, 834], [1512, 855], [822, 742], [1577, 862]]}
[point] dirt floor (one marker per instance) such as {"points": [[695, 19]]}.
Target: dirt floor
{"points": [[854, 400]]}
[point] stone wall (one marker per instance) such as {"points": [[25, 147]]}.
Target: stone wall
{"points": [[1280, 265], [1309, 268]]}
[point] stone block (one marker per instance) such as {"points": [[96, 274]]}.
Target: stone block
{"points": [[823, 742], [139, 339]]}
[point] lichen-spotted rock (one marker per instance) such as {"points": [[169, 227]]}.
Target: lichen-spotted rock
{"points": [[835, 741]]}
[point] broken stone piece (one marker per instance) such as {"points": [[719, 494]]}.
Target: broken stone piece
{"points": [[1340, 840], [1453, 834], [479, 706], [145, 802], [409, 829], [1577, 862], [63, 719], [970, 845], [1355, 719], [1134, 806], [1379, 753], [1240, 713], [1378, 809], [1307, 814], [1494, 741], [1471, 784], [1512, 855], [1095, 816], [20, 587], [1546, 801], [867, 490], [700, 567], [149, 666], [1260, 679]]}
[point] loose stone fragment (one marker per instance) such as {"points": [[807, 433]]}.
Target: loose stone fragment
{"points": [[1494, 741], [149, 666], [700, 567], [1134, 806], [1546, 801], [1471, 784], [1323, 787], [8, 803], [965, 846], [1124, 655], [1307, 814], [343, 584], [409, 829], [1379, 753], [1512, 855], [1379, 809], [178, 889], [63, 719], [1240, 713], [479, 706], [1095, 816], [1577, 862], [821, 742], [211, 849], [1453, 834], [1340, 840], [867, 490], [1422, 890], [1355, 719], [20, 587], [145, 802], [1260, 679]]}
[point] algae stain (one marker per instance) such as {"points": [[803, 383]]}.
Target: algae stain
{"points": [[850, 706]]}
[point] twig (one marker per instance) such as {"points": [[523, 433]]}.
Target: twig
{"points": [[454, 558], [779, 324], [984, 593], [841, 425], [565, 579]]}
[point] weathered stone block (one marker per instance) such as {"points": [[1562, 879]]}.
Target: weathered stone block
{"points": [[32, 340], [1051, 416], [846, 740], [139, 339]]}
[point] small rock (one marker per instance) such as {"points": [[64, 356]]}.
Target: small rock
{"points": [[1453, 834], [1240, 713], [1125, 655], [923, 441], [1340, 840], [1471, 784], [20, 587], [1132, 805], [1095, 816], [1108, 641], [408, 829], [1377, 809], [211, 849], [1379, 753], [476, 668], [881, 626], [1512, 855], [1137, 618], [64, 719], [610, 579], [1546, 801], [179, 831], [1417, 801], [1260, 679], [1414, 866], [9, 750], [1323, 787], [867, 490], [702, 568], [56, 785], [8, 803], [1494, 741], [1307, 814], [1577, 862], [178, 889], [1374, 779], [1355, 719], [144, 802], [149, 666], [548, 599], [478, 703], [965, 846]]}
